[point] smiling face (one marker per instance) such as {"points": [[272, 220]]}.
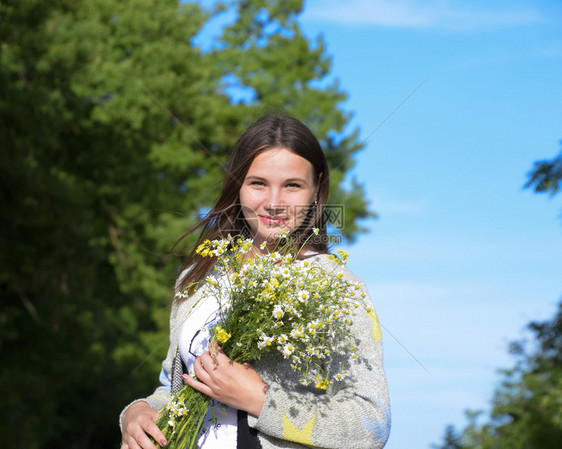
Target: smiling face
{"points": [[277, 193]]}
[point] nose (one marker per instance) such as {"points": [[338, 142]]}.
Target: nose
{"points": [[274, 203]]}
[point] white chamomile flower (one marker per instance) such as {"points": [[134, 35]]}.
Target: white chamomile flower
{"points": [[298, 332], [311, 351], [313, 325], [278, 312], [303, 295], [288, 350], [265, 341]]}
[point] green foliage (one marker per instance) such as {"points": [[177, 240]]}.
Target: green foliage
{"points": [[114, 127], [546, 176], [527, 407], [451, 440]]}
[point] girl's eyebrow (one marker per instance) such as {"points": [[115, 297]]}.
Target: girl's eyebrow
{"points": [[259, 178], [296, 180]]}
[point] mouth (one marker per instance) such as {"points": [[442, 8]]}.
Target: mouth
{"points": [[273, 221]]}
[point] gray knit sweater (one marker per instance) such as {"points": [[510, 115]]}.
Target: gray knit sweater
{"points": [[353, 413]]}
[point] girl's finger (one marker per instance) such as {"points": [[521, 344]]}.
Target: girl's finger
{"points": [[199, 386], [208, 362], [153, 430]]}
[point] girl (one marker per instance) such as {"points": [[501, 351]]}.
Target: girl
{"points": [[276, 180]]}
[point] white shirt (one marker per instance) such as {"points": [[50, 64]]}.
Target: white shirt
{"points": [[193, 341]]}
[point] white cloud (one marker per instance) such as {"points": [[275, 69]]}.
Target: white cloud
{"points": [[436, 14]]}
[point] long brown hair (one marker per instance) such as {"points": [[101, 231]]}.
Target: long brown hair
{"points": [[226, 217]]}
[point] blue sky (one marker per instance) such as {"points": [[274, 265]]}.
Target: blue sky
{"points": [[461, 257]]}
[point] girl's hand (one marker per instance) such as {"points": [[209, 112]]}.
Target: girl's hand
{"points": [[234, 384], [138, 421]]}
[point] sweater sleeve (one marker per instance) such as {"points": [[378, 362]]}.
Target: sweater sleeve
{"points": [[162, 393], [353, 413]]}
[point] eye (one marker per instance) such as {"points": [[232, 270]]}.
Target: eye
{"points": [[293, 185], [256, 183]]}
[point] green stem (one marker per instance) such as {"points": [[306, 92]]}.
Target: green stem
{"points": [[196, 432]]}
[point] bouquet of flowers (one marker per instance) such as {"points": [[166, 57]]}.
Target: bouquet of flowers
{"points": [[271, 303]]}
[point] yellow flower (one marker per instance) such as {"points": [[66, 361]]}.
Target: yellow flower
{"points": [[222, 335], [323, 385], [204, 249]]}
